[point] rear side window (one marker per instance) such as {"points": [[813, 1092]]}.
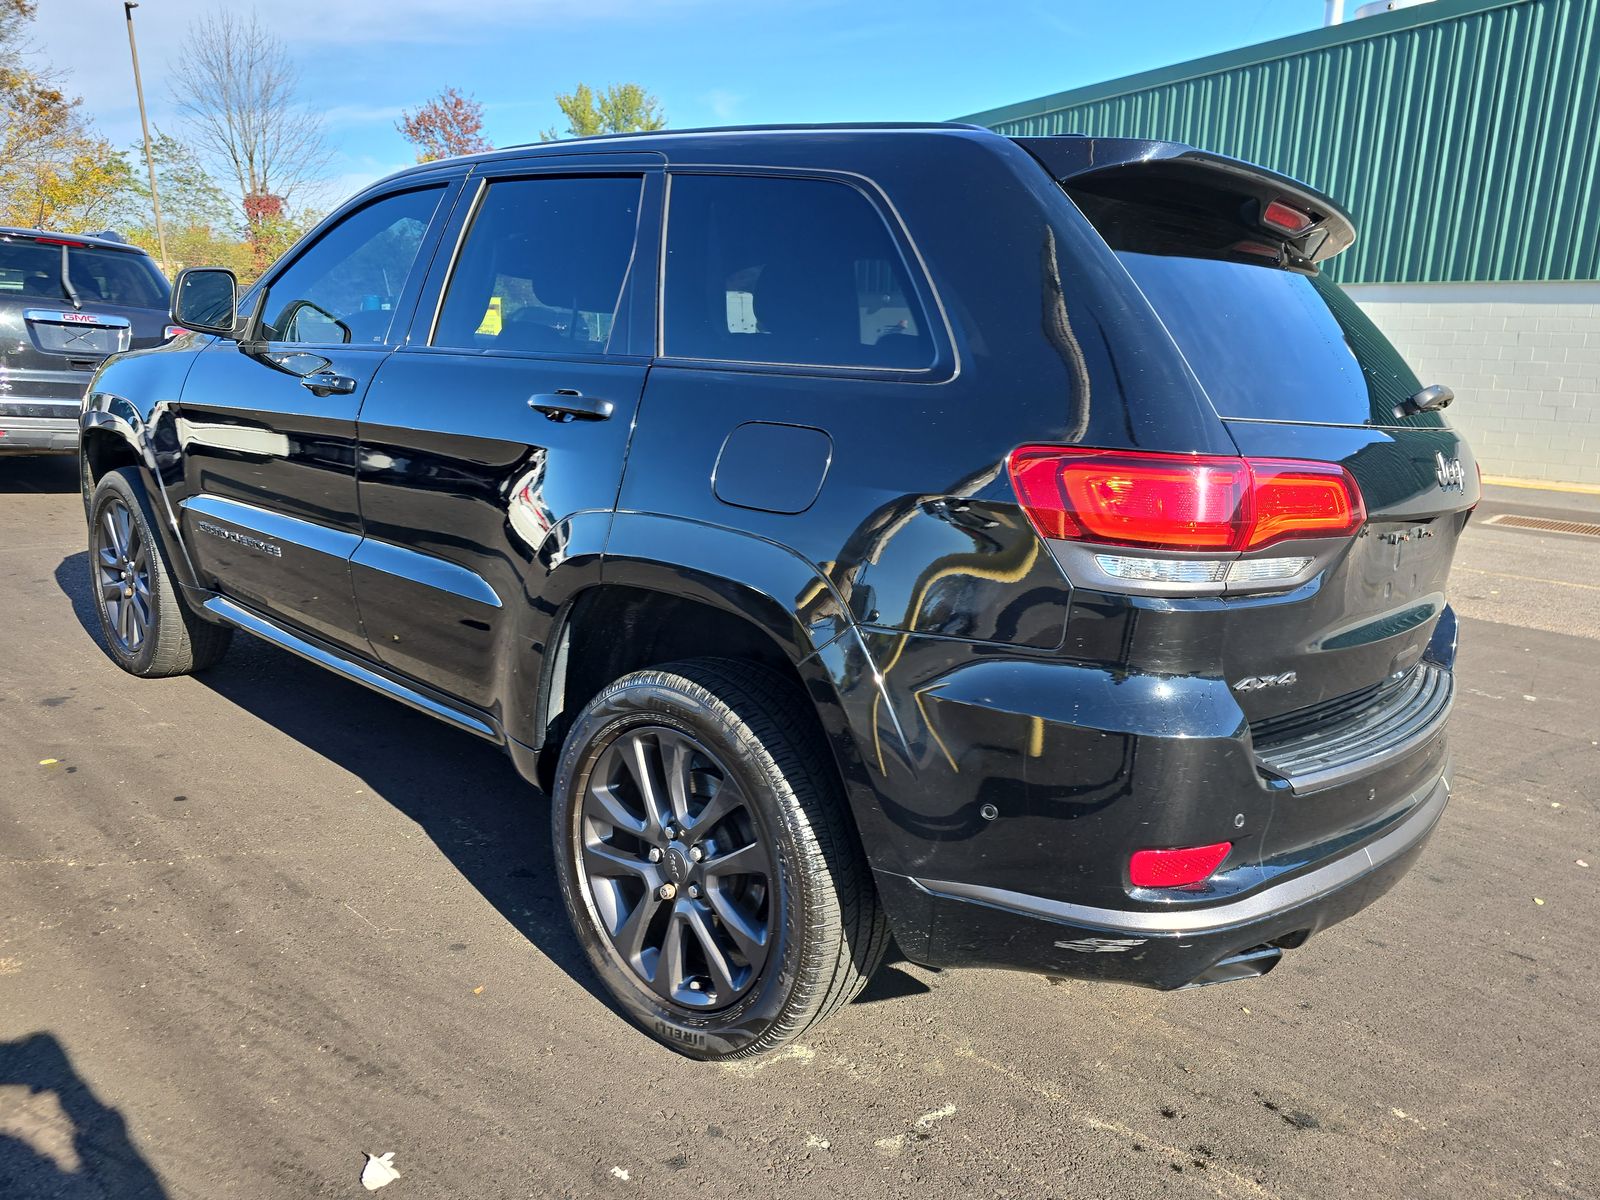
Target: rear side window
{"points": [[33, 270], [1275, 345], [345, 287], [776, 270], [543, 267]]}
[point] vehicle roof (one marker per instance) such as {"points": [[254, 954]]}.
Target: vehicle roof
{"points": [[692, 143], [87, 239]]}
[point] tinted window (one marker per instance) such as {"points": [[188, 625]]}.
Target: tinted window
{"points": [[543, 266], [1276, 345], [344, 288], [779, 270], [33, 270]]}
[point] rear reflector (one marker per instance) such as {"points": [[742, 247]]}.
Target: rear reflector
{"points": [[1182, 501], [1176, 868]]}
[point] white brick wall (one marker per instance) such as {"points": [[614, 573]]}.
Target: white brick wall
{"points": [[1522, 358]]}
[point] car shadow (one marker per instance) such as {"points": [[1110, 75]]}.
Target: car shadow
{"points": [[58, 1140], [462, 791], [53, 473]]}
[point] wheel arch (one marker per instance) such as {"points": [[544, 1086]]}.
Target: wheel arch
{"points": [[722, 594]]}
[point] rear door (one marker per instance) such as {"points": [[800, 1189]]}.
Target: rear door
{"points": [[503, 422], [268, 425]]}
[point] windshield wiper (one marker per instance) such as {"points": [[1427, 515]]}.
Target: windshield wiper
{"points": [[66, 280]]}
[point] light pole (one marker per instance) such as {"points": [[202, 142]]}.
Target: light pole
{"points": [[149, 159]]}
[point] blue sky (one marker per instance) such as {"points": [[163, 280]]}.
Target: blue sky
{"points": [[711, 62]]}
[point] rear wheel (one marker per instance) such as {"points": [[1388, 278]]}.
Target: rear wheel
{"points": [[708, 862], [149, 629]]}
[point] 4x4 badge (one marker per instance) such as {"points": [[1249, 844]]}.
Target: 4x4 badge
{"points": [[1452, 475], [1254, 683]]}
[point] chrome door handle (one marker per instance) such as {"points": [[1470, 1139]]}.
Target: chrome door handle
{"points": [[567, 405], [327, 383]]}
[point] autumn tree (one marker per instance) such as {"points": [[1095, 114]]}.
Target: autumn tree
{"points": [[55, 170], [447, 125], [237, 91], [620, 108]]}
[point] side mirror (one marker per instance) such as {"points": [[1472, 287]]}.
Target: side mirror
{"points": [[204, 299]]}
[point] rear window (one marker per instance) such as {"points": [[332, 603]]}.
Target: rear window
{"points": [[1276, 345], [32, 270]]}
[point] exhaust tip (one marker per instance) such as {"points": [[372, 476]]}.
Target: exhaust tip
{"points": [[1247, 964]]}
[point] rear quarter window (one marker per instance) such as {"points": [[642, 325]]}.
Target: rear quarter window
{"points": [[769, 269]]}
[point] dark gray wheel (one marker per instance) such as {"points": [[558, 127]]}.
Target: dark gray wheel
{"points": [[122, 577], [707, 859], [149, 629], [677, 868]]}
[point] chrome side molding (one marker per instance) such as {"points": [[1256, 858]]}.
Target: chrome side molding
{"points": [[261, 627]]}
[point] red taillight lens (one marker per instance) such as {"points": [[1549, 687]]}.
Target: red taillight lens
{"points": [[1182, 501], [1176, 868]]}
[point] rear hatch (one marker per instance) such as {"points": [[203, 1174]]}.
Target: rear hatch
{"points": [[66, 304], [1342, 670]]}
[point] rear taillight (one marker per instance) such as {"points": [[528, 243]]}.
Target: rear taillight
{"points": [[1182, 501], [1176, 868]]}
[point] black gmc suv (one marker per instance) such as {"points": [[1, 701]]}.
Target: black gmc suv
{"points": [[1018, 546], [67, 300]]}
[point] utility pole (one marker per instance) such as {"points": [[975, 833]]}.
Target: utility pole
{"points": [[149, 159]]}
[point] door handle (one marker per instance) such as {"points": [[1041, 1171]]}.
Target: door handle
{"points": [[565, 405], [328, 383]]}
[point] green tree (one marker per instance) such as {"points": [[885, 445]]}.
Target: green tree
{"points": [[620, 108], [189, 194]]}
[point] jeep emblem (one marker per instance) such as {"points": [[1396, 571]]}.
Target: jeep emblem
{"points": [[1452, 475]]}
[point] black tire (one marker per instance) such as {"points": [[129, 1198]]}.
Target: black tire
{"points": [[147, 625], [825, 933]]}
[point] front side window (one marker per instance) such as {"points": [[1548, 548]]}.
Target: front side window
{"points": [[345, 287], [543, 267], [767, 269]]}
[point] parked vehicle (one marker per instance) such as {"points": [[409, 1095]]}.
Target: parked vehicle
{"points": [[1017, 545], [66, 302]]}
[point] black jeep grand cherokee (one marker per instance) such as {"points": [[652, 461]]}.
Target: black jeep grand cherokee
{"points": [[1016, 545]]}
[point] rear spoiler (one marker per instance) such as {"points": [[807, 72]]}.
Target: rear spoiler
{"points": [[1141, 169]]}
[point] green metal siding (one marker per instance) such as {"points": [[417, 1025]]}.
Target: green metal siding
{"points": [[1464, 135]]}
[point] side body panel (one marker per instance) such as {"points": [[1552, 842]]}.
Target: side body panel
{"points": [[476, 505]]}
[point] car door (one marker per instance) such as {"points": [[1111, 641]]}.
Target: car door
{"points": [[495, 438], [267, 424]]}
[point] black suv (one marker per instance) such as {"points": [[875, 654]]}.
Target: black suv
{"points": [[67, 301], [1018, 546]]}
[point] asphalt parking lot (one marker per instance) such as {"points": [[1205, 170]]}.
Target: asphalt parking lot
{"points": [[256, 923]]}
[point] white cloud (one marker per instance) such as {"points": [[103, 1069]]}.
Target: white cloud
{"points": [[723, 104]]}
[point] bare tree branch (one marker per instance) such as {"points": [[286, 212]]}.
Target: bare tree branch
{"points": [[236, 89]]}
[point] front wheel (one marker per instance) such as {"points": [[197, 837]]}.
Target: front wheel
{"points": [[708, 862], [148, 627]]}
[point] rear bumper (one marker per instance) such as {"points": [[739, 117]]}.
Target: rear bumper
{"points": [[968, 925], [39, 435]]}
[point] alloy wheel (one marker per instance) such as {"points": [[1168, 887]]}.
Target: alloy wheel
{"points": [[677, 868], [122, 577]]}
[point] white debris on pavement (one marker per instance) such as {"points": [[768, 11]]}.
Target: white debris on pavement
{"points": [[938, 1114], [379, 1171], [622, 1173]]}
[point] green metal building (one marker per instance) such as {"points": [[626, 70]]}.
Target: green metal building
{"points": [[1464, 136]]}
